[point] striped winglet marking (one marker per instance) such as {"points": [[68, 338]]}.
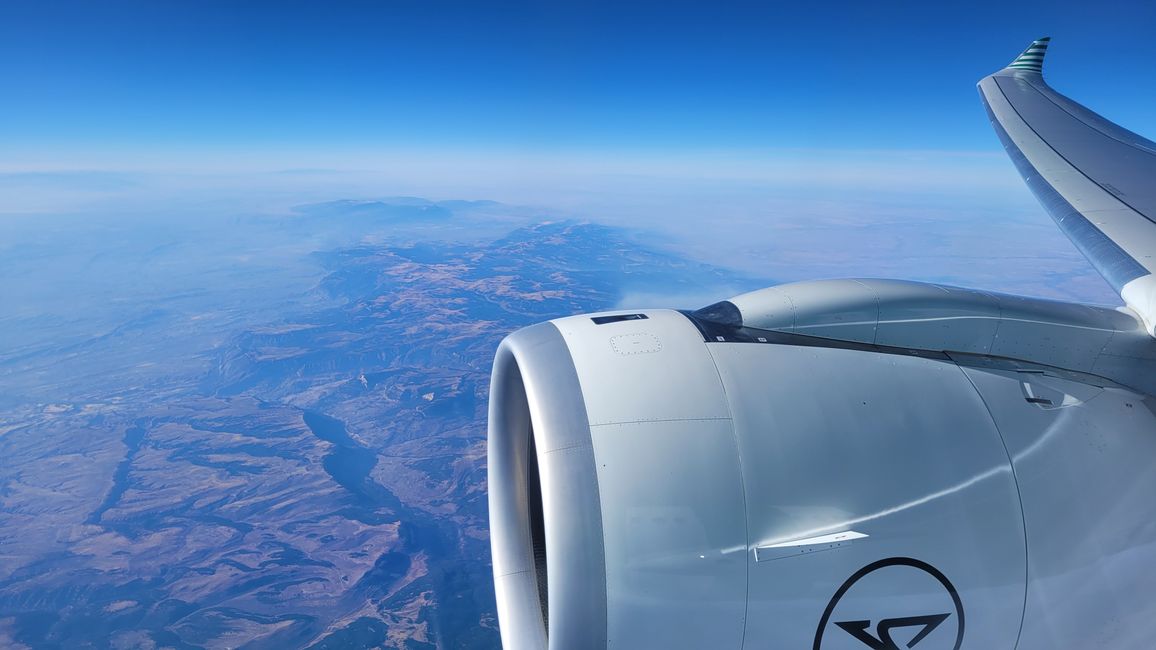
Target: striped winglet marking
{"points": [[1032, 59]]}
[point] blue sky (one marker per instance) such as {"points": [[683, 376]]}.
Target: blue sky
{"points": [[790, 140], [135, 84]]}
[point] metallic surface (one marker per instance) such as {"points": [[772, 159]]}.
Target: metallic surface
{"points": [[850, 463], [1103, 341], [1084, 465], [534, 391], [899, 448], [1093, 177], [670, 482], [995, 473]]}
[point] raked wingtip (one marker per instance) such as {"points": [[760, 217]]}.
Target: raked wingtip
{"points": [[1032, 59]]}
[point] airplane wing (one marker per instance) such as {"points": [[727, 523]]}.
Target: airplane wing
{"points": [[819, 464], [1097, 180]]}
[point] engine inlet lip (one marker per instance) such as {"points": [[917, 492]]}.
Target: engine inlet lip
{"points": [[536, 406]]}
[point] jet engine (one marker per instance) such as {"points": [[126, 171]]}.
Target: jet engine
{"points": [[824, 465]]}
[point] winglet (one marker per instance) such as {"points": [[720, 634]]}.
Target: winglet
{"points": [[1032, 59]]}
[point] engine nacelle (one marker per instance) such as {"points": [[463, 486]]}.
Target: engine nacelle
{"points": [[659, 480]]}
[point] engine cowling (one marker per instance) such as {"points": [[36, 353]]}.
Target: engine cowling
{"points": [[661, 480]]}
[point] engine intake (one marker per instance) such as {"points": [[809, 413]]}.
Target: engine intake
{"points": [[687, 481], [543, 497]]}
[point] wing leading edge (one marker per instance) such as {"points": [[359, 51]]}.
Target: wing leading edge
{"points": [[1097, 180]]}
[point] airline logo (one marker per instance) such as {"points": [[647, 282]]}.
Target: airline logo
{"points": [[892, 604]]}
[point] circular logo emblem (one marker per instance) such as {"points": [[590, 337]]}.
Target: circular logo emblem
{"points": [[893, 604]]}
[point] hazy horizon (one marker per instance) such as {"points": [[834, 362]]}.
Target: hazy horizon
{"points": [[256, 259]]}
